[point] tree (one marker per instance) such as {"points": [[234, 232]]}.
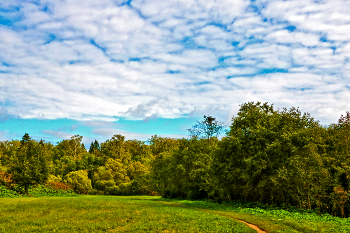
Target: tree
{"points": [[264, 151], [116, 148], [79, 181], [189, 169], [29, 166], [73, 148], [94, 146], [207, 128]]}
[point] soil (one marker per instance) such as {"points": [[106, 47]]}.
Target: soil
{"points": [[253, 227]]}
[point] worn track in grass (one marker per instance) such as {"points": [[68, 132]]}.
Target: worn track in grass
{"points": [[253, 226]]}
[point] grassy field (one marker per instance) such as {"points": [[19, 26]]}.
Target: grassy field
{"points": [[151, 214], [273, 220], [107, 214]]}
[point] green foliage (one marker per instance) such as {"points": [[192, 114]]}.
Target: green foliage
{"points": [[94, 147], [271, 218], [207, 128], [5, 192], [190, 170], [46, 190], [115, 148], [160, 176], [69, 155], [79, 181], [263, 152], [280, 157], [29, 165], [160, 145], [73, 148], [39, 191]]}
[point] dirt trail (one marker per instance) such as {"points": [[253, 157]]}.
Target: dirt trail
{"points": [[254, 227]]}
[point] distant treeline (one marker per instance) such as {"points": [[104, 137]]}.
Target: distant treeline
{"points": [[281, 157]]}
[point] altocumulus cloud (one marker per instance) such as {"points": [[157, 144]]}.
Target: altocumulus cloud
{"points": [[97, 60]]}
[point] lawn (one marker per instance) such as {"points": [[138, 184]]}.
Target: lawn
{"points": [[273, 220], [108, 214], [153, 214]]}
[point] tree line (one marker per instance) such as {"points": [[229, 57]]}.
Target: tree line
{"points": [[276, 157]]}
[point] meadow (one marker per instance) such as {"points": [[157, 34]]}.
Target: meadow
{"points": [[107, 214], [88, 213]]}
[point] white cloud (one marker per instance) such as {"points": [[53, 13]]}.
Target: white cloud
{"points": [[58, 134], [108, 133], [3, 114], [284, 36], [96, 123], [97, 60]]}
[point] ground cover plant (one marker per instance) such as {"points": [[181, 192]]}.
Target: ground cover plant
{"points": [[36, 191], [5, 192], [108, 214]]}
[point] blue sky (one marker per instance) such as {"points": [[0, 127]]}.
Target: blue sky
{"points": [[145, 67]]}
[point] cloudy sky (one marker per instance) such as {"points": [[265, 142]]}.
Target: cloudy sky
{"points": [[145, 67]]}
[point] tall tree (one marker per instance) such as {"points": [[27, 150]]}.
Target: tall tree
{"points": [[262, 145], [94, 147], [29, 165]]}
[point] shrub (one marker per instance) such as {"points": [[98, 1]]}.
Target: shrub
{"points": [[79, 181], [48, 190], [5, 192], [58, 185], [5, 179]]}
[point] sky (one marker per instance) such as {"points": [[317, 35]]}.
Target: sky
{"points": [[145, 67]]}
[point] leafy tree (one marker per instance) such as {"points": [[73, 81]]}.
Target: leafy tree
{"points": [[118, 170], [162, 151], [139, 151], [263, 144], [73, 148], [8, 149], [67, 155], [338, 157], [116, 148], [160, 172], [207, 128], [190, 170], [94, 147], [159, 145], [29, 164]]}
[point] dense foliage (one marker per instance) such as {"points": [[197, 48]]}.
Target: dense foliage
{"points": [[276, 157]]}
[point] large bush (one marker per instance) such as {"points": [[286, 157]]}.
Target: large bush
{"points": [[79, 181]]}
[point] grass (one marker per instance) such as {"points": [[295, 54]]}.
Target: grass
{"points": [[153, 214], [271, 219], [108, 214]]}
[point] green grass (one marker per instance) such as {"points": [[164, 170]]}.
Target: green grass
{"points": [[108, 214], [271, 219], [153, 214]]}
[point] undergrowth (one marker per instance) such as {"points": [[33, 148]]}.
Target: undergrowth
{"points": [[38, 191]]}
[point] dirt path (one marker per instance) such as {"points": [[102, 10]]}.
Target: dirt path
{"points": [[254, 227]]}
